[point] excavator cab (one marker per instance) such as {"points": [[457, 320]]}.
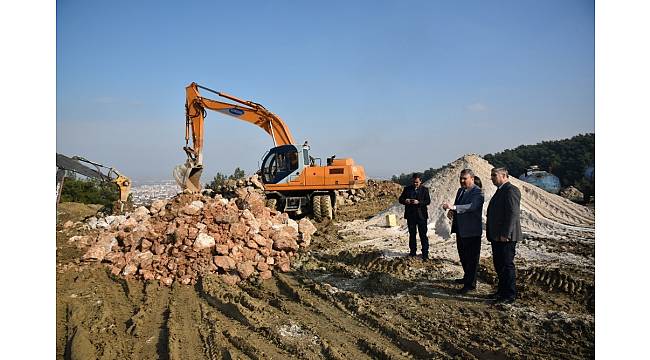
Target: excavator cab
{"points": [[279, 163]]}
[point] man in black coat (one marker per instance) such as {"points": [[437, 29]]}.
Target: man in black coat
{"points": [[415, 199], [467, 220], [503, 230]]}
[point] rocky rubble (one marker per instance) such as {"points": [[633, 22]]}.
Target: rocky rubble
{"points": [[231, 185], [373, 189], [192, 234]]}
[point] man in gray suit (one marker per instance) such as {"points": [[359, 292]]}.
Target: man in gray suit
{"points": [[503, 230], [466, 214]]}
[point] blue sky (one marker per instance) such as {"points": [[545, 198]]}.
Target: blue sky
{"points": [[398, 86]]}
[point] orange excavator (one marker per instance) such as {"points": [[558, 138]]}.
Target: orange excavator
{"points": [[292, 180]]}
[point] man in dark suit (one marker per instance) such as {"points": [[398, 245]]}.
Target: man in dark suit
{"points": [[467, 213], [503, 230], [415, 199]]}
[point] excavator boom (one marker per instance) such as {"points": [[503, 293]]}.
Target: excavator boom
{"points": [[76, 164], [188, 175]]}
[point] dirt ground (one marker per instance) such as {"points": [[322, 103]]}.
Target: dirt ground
{"points": [[336, 303]]}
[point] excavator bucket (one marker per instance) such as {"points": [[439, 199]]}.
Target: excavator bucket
{"points": [[188, 176]]}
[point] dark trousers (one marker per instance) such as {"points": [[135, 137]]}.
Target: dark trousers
{"points": [[503, 255], [469, 251], [421, 226]]}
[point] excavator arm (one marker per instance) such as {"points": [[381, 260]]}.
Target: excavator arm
{"points": [[76, 164], [188, 175]]}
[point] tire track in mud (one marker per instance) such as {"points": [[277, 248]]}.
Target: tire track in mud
{"points": [[230, 326], [292, 317], [184, 338], [149, 323], [96, 310], [367, 339]]}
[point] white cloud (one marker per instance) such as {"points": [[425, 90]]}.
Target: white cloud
{"points": [[477, 107]]}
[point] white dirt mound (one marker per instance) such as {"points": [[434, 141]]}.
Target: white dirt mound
{"points": [[544, 216]]}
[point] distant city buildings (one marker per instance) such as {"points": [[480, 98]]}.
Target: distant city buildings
{"points": [[146, 193]]}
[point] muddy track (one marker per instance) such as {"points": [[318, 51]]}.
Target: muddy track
{"points": [[310, 314], [353, 304]]}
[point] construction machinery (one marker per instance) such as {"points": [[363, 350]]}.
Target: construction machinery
{"points": [[294, 181], [76, 164]]}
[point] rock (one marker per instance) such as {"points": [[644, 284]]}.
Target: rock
{"points": [[203, 241], [262, 266], [167, 281], [102, 224], [129, 224], [147, 275], [68, 224], [101, 248], [92, 222], [267, 274], [248, 253], [306, 227], [285, 239], [238, 231], [191, 210], [245, 269], [116, 270], [224, 262], [158, 205], [222, 249], [129, 269], [80, 241], [293, 224], [260, 240], [230, 279], [198, 204], [140, 214], [284, 265], [158, 249], [113, 257], [118, 221], [143, 259], [305, 241], [255, 180]]}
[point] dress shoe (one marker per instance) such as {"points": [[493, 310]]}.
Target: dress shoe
{"points": [[459, 281]]}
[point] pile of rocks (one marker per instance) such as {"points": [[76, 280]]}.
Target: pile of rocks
{"points": [[193, 234], [373, 189], [230, 185]]}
